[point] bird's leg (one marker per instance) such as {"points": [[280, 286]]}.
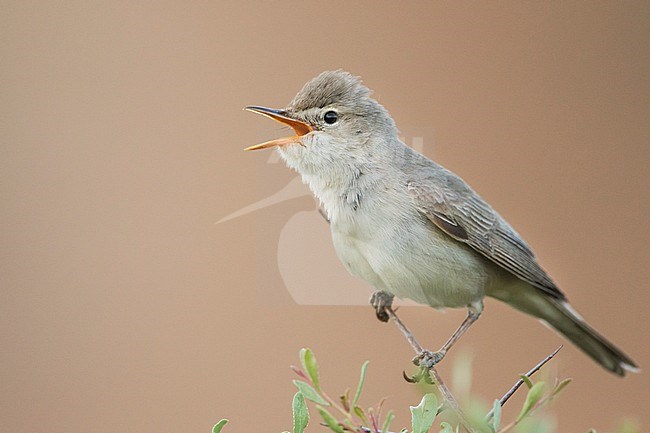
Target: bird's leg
{"points": [[381, 301], [427, 359], [424, 373]]}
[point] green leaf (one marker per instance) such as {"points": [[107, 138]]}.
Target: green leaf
{"points": [[218, 426], [532, 398], [389, 418], [536, 425], [461, 378], [423, 415], [308, 361], [446, 428], [331, 422], [496, 416], [309, 392], [300, 413], [527, 381], [361, 414], [629, 426], [560, 386], [345, 400], [362, 379]]}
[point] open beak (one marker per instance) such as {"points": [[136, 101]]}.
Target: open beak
{"points": [[281, 116]]}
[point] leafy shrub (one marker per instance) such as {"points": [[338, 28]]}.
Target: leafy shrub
{"points": [[346, 415]]}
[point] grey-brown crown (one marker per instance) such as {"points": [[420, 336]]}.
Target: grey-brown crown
{"points": [[330, 87]]}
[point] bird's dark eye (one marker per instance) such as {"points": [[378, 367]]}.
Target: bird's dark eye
{"points": [[330, 117]]}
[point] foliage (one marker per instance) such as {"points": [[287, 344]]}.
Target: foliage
{"points": [[346, 415]]}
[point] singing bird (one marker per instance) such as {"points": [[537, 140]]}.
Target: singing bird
{"points": [[410, 227]]}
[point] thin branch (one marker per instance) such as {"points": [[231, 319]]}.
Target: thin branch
{"points": [[440, 384], [520, 382], [367, 430], [537, 405], [346, 414]]}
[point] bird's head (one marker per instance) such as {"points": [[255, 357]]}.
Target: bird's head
{"points": [[335, 122]]}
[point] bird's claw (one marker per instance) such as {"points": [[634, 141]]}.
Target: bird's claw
{"points": [[427, 359], [380, 301], [423, 374]]}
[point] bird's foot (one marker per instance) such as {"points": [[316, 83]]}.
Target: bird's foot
{"points": [[423, 375], [427, 359], [380, 301]]}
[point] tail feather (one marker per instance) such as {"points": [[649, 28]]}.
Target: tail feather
{"points": [[566, 321], [563, 318]]}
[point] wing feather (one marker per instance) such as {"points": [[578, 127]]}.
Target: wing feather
{"points": [[457, 210]]}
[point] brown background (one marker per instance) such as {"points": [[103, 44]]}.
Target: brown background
{"points": [[124, 308]]}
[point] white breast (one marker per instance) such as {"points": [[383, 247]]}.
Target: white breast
{"points": [[387, 243], [380, 237]]}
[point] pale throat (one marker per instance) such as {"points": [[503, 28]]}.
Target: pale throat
{"points": [[341, 185]]}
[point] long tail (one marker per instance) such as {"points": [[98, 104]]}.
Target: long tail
{"points": [[563, 318]]}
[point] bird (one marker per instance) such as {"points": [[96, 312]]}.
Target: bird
{"points": [[410, 227]]}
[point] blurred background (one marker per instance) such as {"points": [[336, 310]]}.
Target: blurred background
{"points": [[125, 308]]}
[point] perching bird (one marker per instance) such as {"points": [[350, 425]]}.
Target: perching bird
{"points": [[410, 227]]}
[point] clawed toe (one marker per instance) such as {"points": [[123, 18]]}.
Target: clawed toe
{"points": [[380, 302], [382, 315], [427, 359], [423, 375]]}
